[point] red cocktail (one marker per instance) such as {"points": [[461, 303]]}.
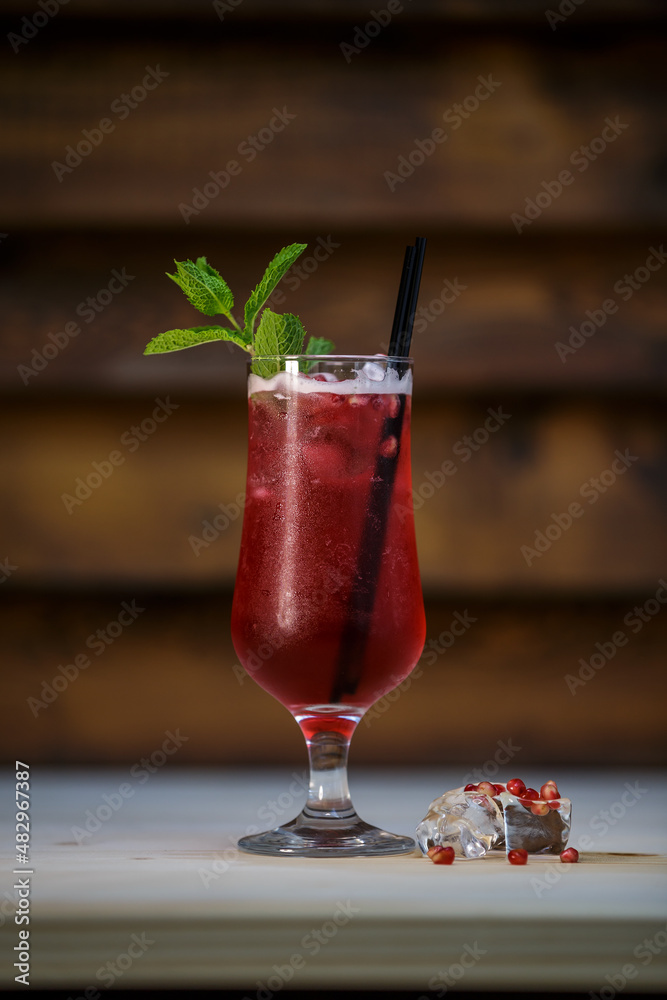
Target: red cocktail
{"points": [[328, 613]]}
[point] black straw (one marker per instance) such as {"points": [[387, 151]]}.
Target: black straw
{"points": [[406, 304], [401, 314], [362, 599]]}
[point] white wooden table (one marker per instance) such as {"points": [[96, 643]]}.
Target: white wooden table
{"points": [[157, 894]]}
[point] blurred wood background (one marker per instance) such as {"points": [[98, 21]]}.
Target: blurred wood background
{"points": [[560, 327]]}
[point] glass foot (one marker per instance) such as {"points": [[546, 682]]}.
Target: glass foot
{"points": [[308, 837]]}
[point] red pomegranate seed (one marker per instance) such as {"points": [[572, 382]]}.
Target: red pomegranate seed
{"points": [[539, 808], [517, 856], [555, 804], [570, 855], [470, 788], [389, 447], [516, 786], [441, 855], [487, 787], [499, 789], [530, 793], [549, 791]]}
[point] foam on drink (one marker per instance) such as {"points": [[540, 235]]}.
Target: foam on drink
{"points": [[373, 379]]}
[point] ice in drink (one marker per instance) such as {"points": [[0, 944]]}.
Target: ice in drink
{"points": [[317, 449]]}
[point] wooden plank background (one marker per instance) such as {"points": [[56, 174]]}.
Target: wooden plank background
{"points": [[503, 681], [514, 301], [351, 123], [499, 309]]}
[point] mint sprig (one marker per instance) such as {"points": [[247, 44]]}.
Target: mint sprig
{"points": [[177, 340], [209, 293], [276, 270]]}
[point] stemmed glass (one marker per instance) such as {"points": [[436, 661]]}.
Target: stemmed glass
{"points": [[328, 613]]}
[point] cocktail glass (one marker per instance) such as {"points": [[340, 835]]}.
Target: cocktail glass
{"points": [[328, 613]]}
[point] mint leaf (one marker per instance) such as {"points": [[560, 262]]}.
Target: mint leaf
{"points": [[319, 345], [204, 288], [276, 270], [276, 334], [178, 340], [291, 341], [267, 337]]}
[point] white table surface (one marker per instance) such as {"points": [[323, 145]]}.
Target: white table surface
{"points": [[164, 868]]}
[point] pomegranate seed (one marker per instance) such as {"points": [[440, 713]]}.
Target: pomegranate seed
{"points": [[530, 793], [555, 804], [549, 791], [517, 856], [470, 788], [389, 447], [441, 855], [487, 787], [516, 786], [570, 856], [499, 789], [539, 808]]}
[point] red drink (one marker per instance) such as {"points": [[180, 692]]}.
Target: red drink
{"points": [[312, 622]]}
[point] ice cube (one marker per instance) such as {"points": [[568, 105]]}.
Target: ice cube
{"points": [[470, 822], [373, 371], [539, 827], [474, 823]]}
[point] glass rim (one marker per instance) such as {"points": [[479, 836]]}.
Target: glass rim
{"points": [[374, 358]]}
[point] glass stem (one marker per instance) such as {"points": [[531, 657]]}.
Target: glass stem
{"points": [[328, 792]]}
